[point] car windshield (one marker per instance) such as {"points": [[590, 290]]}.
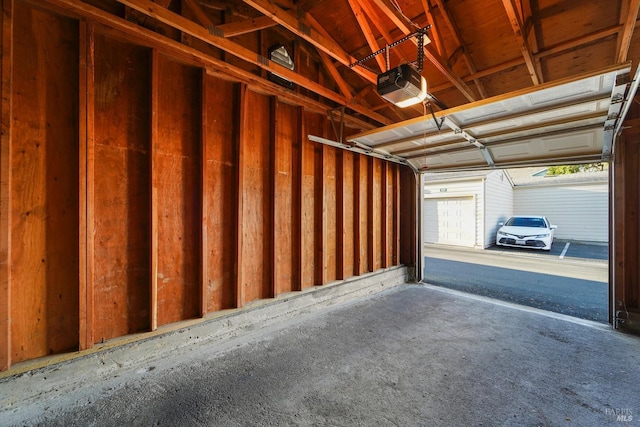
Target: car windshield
{"points": [[526, 222]]}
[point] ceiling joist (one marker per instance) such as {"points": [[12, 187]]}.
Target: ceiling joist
{"points": [[518, 30], [627, 32], [367, 33]]}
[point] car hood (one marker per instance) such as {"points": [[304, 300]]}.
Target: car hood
{"points": [[524, 231]]}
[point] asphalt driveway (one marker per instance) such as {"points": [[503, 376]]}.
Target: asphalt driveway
{"points": [[571, 279]]}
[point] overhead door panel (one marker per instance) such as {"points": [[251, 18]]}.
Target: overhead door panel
{"points": [[557, 122], [450, 221]]}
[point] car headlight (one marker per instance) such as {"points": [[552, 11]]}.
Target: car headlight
{"points": [[502, 233], [539, 236]]}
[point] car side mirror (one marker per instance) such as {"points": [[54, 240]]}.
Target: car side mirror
{"points": [[553, 227], [501, 224]]}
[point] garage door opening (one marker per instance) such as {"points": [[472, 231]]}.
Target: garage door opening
{"points": [[462, 212]]}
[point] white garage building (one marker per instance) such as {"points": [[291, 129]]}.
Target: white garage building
{"points": [[464, 208]]}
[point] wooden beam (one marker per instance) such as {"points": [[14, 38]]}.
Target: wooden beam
{"points": [[233, 7], [530, 35], [430, 53], [238, 28], [231, 29], [320, 216], [327, 45], [189, 27], [86, 156], [371, 232], [577, 42], [6, 44], [453, 28], [374, 16], [518, 30], [357, 212], [486, 72], [153, 202], [297, 204], [396, 215], [627, 32], [368, 34], [220, 68], [245, 110], [340, 227], [271, 213], [344, 87], [199, 13], [434, 32], [384, 238], [205, 140]]}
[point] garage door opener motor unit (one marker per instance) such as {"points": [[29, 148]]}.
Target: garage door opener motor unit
{"points": [[402, 85]]}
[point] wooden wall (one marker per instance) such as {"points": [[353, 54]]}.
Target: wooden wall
{"points": [[625, 233], [138, 190]]}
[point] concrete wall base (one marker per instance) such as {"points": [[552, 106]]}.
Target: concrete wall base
{"points": [[106, 358]]}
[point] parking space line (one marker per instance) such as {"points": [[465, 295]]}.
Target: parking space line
{"points": [[564, 251]]}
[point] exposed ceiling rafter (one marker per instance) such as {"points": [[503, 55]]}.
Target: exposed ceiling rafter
{"points": [[458, 39], [251, 25], [374, 17], [435, 32], [518, 30], [367, 33], [627, 32]]}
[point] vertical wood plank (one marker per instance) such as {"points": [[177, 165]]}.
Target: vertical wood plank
{"points": [[340, 220], [242, 136], [86, 168], [320, 216], [297, 205], [384, 238], [356, 215], [308, 230], [203, 274], [371, 215], [121, 188], [44, 181], [348, 201], [153, 202], [396, 215], [271, 255], [6, 45], [408, 255], [177, 171], [256, 271], [220, 191], [328, 207], [285, 133]]}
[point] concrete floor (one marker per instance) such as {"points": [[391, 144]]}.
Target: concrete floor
{"points": [[411, 355]]}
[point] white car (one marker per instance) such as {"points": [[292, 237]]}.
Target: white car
{"points": [[528, 231]]}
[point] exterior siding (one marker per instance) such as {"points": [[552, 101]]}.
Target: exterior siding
{"points": [[498, 206], [579, 210]]}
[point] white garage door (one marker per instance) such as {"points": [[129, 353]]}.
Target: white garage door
{"points": [[450, 221]]}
